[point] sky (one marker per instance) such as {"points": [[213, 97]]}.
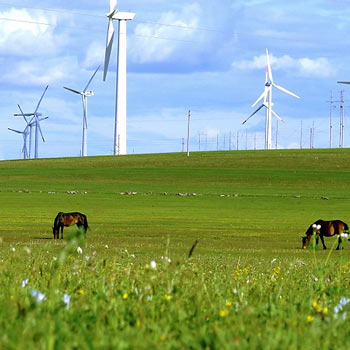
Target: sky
{"points": [[203, 56]]}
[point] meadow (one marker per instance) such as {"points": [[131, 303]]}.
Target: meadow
{"points": [[132, 284]]}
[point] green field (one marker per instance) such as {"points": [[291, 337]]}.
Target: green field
{"points": [[248, 284]]}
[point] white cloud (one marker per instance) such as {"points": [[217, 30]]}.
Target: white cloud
{"points": [[319, 67], [145, 49], [22, 35], [48, 71]]}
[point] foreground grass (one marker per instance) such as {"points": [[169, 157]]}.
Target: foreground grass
{"points": [[248, 284], [54, 297]]}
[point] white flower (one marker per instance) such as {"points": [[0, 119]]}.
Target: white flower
{"points": [[343, 301], [344, 235], [273, 260], [314, 226], [13, 249], [25, 282], [66, 300], [235, 291], [79, 250], [37, 295], [153, 264], [318, 227], [87, 258], [106, 246]]}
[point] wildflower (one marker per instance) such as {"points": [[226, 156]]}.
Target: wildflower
{"points": [[317, 306], [273, 260], [80, 292], [13, 249], [153, 264], [66, 300], [79, 250], [25, 282], [235, 291], [87, 257], [325, 311], [149, 298], [228, 304], [344, 235], [277, 270], [310, 318], [168, 297], [223, 313], [106, 246], [125, 296], [37, 295]]}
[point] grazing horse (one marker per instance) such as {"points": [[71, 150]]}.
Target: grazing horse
{"points": [[325, 229], [68, 219]]}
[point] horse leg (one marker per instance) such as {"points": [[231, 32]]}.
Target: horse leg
{"points": [[339, 243], [62, 227], [322, 240]]}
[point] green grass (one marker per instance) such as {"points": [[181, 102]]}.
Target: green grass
{"points": [[248, 284]]}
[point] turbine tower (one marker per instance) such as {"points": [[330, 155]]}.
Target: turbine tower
{"points": [[267, 102], [35, 121], [84, 95], [120, 108]]}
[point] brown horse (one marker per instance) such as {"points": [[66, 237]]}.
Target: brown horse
{"points": [[325, 229], [68, 219]]}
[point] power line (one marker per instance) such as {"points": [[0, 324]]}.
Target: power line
{"points": [[102, 16]]}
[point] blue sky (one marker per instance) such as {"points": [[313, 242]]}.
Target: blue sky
{"points": [[200, 55]]}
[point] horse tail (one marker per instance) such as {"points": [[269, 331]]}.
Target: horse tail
{"points": [[86, 225]]}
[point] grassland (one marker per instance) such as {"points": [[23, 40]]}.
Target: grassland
{"points": [[248, 285]]}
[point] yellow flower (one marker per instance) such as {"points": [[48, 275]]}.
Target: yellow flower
{"points": [[80, 292], [168, 297], [228, 304], [316, 306], [223, 313], [277, 270], [325, 310], [125, 296], [310, 318]]}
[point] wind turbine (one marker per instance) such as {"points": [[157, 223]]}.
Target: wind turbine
{"points": [[84, 95], [24, 149], [35, 121], [120, 109], [266, 96]]}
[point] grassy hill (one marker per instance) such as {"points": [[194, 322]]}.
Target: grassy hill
{"points": [[232, 198]]}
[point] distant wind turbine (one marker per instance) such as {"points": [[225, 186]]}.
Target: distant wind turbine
{"points": [[266, 96], [84, 94], [35, 121], [121, 100]]}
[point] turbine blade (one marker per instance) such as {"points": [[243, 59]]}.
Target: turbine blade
{"points": [[112, 5], [285, 90], [263, 95], [256, 111], [276, 115], [22, 114], [343, 82], [87, 85], [109, 44], [16, 131], [42, 96], [75, 91], [41, 133], [269, 66]]}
